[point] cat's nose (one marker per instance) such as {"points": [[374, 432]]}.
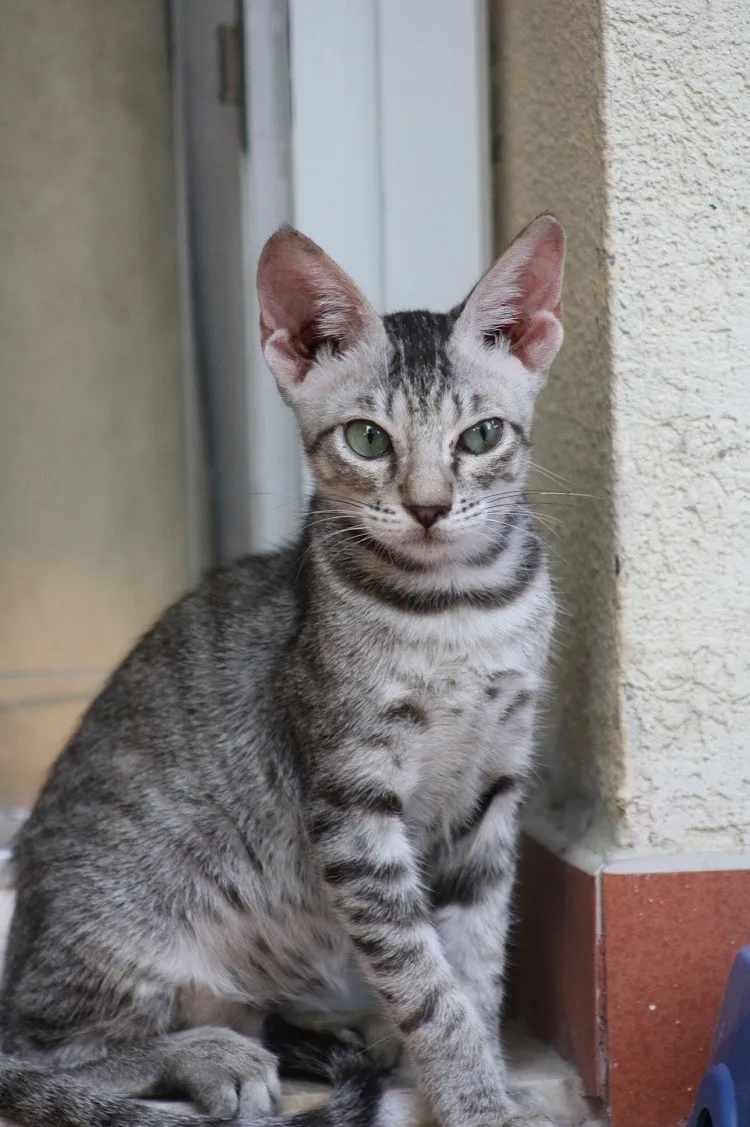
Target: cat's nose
{"points": [[427, 514]]}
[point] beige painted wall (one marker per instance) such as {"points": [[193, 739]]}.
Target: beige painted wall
{"points": [[632, 122], [93, 539]]}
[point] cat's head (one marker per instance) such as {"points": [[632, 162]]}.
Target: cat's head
{"points": [[416, 425]]}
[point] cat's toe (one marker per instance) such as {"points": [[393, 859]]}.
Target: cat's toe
{"points": [[519, 1118], [260, 1095], [225, 1074], [527, 1109], [219, 1100], [528, 1119]]}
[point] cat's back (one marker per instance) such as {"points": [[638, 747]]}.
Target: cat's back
{"points": [[215, 649]]}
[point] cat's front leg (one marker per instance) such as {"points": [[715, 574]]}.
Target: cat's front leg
{"points": [[472, 903], [471, 897], [372, 880]]}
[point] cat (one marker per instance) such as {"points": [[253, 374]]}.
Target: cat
{"points": [[300, 790]]}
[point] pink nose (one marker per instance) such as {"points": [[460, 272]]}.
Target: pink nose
{"points": [[427, 514]]}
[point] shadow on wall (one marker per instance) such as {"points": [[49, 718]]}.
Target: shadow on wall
{"points": [[549, 154]]}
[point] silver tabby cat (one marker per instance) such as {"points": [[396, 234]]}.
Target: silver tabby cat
{"points": [[300, 790]]}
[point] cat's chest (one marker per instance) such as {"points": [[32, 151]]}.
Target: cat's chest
{"points": [[448, 687], [449, 672], [449, 708], [449, 696]]}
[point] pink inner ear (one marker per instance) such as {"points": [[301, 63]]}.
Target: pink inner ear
{"points": [[305, 300], [286, 358], [540, 279], [538, 341], [521, 295]]}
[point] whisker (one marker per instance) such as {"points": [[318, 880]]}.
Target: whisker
{"points": [[553, 476], [552, 531], [554, 552]]}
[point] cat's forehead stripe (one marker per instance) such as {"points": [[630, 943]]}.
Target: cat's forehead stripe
{"points": [[418, 363]]}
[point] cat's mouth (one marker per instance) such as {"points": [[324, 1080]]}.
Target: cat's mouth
{"points": [[445, 542], [427, 544], [432, 535]]}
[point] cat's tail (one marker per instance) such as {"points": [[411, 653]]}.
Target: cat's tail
{"points": [[35, 1097], [359, 1098]]}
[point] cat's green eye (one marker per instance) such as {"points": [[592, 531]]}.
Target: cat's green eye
{"points": [[367, 440], [482, 436]]}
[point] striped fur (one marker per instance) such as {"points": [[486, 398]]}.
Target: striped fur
{"points": [[299, 792]]}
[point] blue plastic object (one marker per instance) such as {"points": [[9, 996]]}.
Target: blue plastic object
{"points": [[724, 1095]]}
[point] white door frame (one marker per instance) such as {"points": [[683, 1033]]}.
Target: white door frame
{"points": [[367, 126], [390, 143]]}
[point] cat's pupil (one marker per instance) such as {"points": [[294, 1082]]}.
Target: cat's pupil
{"points": [[483, 436], [366, 439]]}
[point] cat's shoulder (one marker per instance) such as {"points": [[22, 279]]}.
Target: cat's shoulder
{"points": [[254, 596], [250, 577]]}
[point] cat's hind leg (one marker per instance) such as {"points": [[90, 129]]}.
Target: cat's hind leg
{"points": [[222, 1072]]}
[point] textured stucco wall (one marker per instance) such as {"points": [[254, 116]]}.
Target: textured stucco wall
{"points": [[678, 114], [632, 122], [92, 478]]}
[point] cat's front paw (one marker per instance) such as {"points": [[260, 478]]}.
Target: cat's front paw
{"points": [[525, 1109], [222, 1072], [521, 1118], [524, 1119]]}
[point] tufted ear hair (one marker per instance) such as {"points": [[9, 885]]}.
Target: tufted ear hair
{"points": [[307, 303], [519, 299]]}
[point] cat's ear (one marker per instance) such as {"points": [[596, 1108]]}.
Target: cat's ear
{"points": [[519, 299], [307, 305]]}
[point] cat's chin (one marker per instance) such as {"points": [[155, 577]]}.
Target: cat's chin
{"points": [[433, 547]]}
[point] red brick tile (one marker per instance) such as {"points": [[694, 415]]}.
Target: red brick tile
{"points": [[669, 941]]}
